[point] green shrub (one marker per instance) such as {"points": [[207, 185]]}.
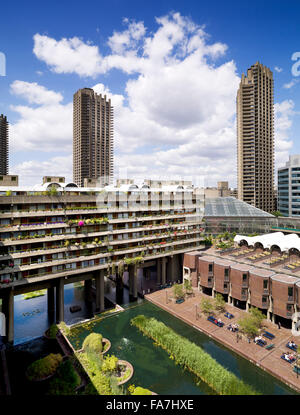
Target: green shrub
{"points": [[110, 364], [52, 331], [93, 342], [192, 357], [44, 367], [141, 391], [65, 381]]}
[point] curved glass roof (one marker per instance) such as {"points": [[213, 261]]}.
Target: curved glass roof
{"points": [[230, 206]]}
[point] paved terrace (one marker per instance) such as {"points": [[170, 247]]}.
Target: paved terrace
{"points": [[268, 360], [263, 263]]}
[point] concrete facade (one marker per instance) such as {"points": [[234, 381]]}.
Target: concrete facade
{"points": [[3, 145], [92, 137], [255, 138]]}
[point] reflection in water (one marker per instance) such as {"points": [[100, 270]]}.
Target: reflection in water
{"points": [[31, 318]]}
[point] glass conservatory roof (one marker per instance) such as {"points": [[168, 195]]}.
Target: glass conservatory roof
{"points": [[230, 206]]}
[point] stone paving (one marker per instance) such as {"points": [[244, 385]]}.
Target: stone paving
{"points": [[268, 360]]}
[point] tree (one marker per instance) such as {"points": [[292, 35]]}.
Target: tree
{"points": [[206, 306], [248, 325], [187, 285], [257, 315], [276, 213], [178, 291], [220, 302]]}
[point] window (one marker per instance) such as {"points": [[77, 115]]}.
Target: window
{"points": [[265, 284], [264, 299], [225, 286], [210, 267], [226, 272], [290, 291], [13, 179], [244, 277], [1, 177]]}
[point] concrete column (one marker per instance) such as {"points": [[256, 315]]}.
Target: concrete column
{"points": [[135, 291], [60, 300], [8, 310], [88, 290], [100, 291], [131, 278], [158, 270], [50, 302], [163, 270]]}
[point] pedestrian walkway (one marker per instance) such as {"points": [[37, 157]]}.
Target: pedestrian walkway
{"points": [[269, 360]]}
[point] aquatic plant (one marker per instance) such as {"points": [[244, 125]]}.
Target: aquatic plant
{"points": [[192, 357]]}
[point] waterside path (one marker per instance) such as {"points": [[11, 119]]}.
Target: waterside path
{"points": [[268, 360]]}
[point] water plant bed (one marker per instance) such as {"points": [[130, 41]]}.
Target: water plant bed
{"points": [[192, 357], [154, 370], [126, 372]]}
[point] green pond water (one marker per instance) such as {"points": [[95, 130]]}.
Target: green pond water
{"points": [[153, 369]]}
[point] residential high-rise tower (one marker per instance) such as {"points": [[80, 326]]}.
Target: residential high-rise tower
{"points": [[3, 145], [255, 138], [92, 137]]}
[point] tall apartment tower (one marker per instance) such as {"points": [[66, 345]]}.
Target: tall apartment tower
{"points": [[92, 137], [255, 138], [3, 145]]}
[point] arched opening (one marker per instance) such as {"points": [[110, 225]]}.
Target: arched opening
{"points": [[275, 250], [294, 254]]}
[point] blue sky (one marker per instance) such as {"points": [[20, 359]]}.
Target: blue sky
{"points": [[184, 130]]}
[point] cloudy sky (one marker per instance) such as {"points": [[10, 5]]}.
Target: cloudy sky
{"points": [[171, 68]]}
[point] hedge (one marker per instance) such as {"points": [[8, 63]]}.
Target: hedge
{"points": [[192, 357]]}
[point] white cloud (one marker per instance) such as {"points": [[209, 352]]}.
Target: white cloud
{"points": [[46, 127], [290, 85], [31, 172], [176, 116], [283, 112], [278, 69], [35, 93]]}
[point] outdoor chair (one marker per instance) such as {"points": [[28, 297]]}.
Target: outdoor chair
{"points": [[261, 343], [268, 335], [270, 346], [288, 361], [228, 315], [292, 348], [213, 320], [296, 370]]}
